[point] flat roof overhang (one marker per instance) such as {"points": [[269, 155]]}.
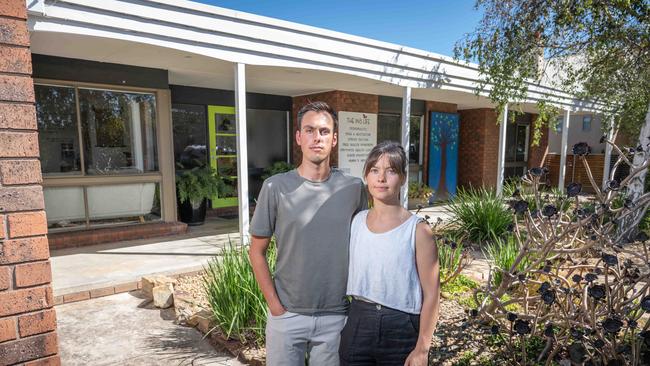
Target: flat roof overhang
{"points": [[198, 45]]}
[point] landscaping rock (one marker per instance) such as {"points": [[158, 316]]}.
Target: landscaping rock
{"points": [[184, 306], [149, 282], [202, 320], [163, 296]]}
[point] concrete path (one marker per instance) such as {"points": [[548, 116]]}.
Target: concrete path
{"points": [[99, 266], [104, 265], [122, 330]]}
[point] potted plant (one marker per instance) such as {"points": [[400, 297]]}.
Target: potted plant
{"points": [[419, 194], [277, 168], [193, 188]]}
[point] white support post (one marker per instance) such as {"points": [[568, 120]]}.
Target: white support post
{"points": [[242, 150], [563, 149], [502, 150], [406, 117], [608, 155]]}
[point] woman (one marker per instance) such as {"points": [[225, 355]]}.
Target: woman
{"points": [[393, 276]]}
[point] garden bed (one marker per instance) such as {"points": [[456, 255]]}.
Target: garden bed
{"points": [[452, 343]]}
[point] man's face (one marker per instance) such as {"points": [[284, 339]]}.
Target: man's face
{"points": [[316, 136]]}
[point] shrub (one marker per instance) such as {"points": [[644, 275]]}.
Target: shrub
{"points": [[452, 257], [419, 191], [581, 292], [479, 214], [503, 252], [237, 303], [461, 284], [198, 183], [277, 168]]}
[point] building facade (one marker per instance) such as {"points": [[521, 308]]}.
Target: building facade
{"points": [[103, 103]]}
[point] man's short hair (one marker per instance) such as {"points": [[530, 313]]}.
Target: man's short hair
{"points": [[318, 107]]}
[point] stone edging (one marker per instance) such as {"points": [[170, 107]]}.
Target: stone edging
{"points": [[110, 290]]}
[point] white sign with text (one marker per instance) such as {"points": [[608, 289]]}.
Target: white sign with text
{"points": [[357, 136]]}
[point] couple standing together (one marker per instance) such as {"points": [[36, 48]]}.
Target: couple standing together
{"points": [[331, 248]]}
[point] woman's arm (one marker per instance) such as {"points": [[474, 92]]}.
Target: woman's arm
{"points": [[426, 257]]}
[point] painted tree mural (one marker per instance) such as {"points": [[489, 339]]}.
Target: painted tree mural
{"points": [[443, 153]]}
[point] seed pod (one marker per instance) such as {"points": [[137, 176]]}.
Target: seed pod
{"points": [[573, 189], [581, 149], [522, 327]]}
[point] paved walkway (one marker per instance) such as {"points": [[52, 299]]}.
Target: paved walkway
{"points": [[104, 265], [100, 266], [122, 330]]}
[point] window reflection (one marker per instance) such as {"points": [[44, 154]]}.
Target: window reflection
{"points": [[119, 132], [190, 140], [58, 136]]}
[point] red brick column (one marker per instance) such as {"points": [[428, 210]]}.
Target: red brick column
{"points": [[27, 318], [478, 149]]}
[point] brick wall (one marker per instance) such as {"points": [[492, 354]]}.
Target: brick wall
{"points": [[478, 149], [339, 100], [27, 318]]}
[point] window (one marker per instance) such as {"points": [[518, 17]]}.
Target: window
{"points": [[558, 125], [267, 144], [92, 133], [415, 149], [190, 136], [586, 123], [389, 127], [118, 132], [58, 133]]}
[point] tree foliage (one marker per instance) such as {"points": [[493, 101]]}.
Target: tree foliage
{"points": [[597, 50]]}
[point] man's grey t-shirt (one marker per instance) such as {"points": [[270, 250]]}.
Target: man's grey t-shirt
{"points": [[311, 223]]}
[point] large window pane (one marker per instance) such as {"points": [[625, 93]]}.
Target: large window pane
{"points": [[189, 135], [123, 203], [119, 132], [414, 148], [388, 127], [267, 144], [58, 135], [64, 207]]}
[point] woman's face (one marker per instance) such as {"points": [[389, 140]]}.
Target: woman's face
{"points": [[383, 181]]}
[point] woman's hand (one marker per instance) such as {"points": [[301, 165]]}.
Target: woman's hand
{"points": [[418, 357]]}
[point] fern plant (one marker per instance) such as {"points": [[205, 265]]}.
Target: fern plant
{"points": [[197, 184]]}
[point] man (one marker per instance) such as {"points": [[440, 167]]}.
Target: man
{"points": [[309, 210]]}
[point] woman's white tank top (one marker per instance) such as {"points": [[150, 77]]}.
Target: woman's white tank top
{"points": [[382, 266]]}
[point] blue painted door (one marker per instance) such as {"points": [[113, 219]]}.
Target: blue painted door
{"points": [[443, 154]]}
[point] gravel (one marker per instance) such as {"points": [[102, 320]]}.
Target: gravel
{"points": [[451, 339]]}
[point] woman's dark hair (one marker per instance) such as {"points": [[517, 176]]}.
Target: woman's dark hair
{"points": [[395, 154], [318, 107]]}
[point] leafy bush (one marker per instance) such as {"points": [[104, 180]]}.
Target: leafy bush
{"points": [[452, 256], [459, 285], [199, 183], [578, 292], [479, 214], [419, 191], [503, 253], [237, 303], [645, 222], [277, 168]]}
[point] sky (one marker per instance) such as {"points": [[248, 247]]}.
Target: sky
{"points": [[433, 25]]}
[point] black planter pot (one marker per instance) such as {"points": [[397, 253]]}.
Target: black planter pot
{"points": [[192, 215]]}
